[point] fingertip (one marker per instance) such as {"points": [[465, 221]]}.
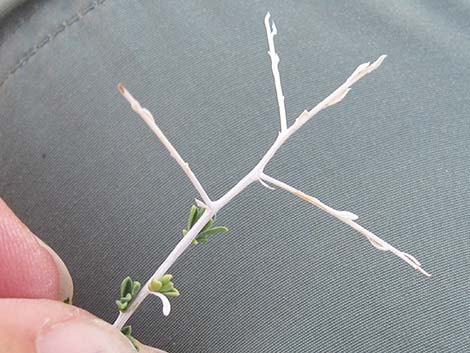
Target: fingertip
{"points": [[23, 318], [48, 326], [28, 267], [65, 290]]}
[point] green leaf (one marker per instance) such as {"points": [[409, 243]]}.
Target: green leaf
{"points": [[127, 330], [122, 306], [134, 343], [172, 293], [166, 278], [68, 300], [126, 286], [166, 287], [214, 230], [208, 225], [192, 216], [128, 289], [201, 239], [127, 298], [200, 212], [155, 285], [135, 288]]}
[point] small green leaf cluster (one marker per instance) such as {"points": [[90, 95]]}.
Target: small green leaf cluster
{"points": [[164, 286], [194, 214], [129, 290], [127, 331]]}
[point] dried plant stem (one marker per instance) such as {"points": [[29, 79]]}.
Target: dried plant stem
{"points": [[257, 173], [275, 68], [163, 268], [150, 121], [348, 218]]}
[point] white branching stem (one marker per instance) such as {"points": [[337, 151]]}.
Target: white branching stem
{"points": [[257, 173], [275, 68], [184, 243], [150, 121], [348, 218]]}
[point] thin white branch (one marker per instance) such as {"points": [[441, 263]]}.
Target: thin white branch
{"points": [[305, 116], [148, 118], [165, 302], [341, 92], [349, 218], [275, 68], [183, 244], [267, 186]]}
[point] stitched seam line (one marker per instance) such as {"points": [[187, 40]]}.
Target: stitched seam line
{"points": [[22, 21], [48, 38]]}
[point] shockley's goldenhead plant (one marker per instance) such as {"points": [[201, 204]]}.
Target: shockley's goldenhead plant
{"points": [[202, 216]]}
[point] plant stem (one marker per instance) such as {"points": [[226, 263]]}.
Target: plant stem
{"points": [[163, 268], [275, 68], [348, 218], [148, 118]]}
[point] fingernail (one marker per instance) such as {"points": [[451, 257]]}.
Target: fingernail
{"points": [[90, 336], [65, 280]]}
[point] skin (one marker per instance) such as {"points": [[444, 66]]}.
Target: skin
{"points": [[34, 281]]}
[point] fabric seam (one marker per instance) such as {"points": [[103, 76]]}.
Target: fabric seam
{"points": [[48, 38]]}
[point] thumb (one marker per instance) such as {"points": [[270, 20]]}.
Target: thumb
{"points": [[28, 267], [44, 326]]}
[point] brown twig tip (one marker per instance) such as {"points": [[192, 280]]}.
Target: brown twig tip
{"points": [[121, 88]]}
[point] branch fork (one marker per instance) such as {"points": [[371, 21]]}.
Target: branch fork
{"points": [[257, 173]]}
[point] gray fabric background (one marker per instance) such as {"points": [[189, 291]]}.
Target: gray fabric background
{"points": [[89, 177]]}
